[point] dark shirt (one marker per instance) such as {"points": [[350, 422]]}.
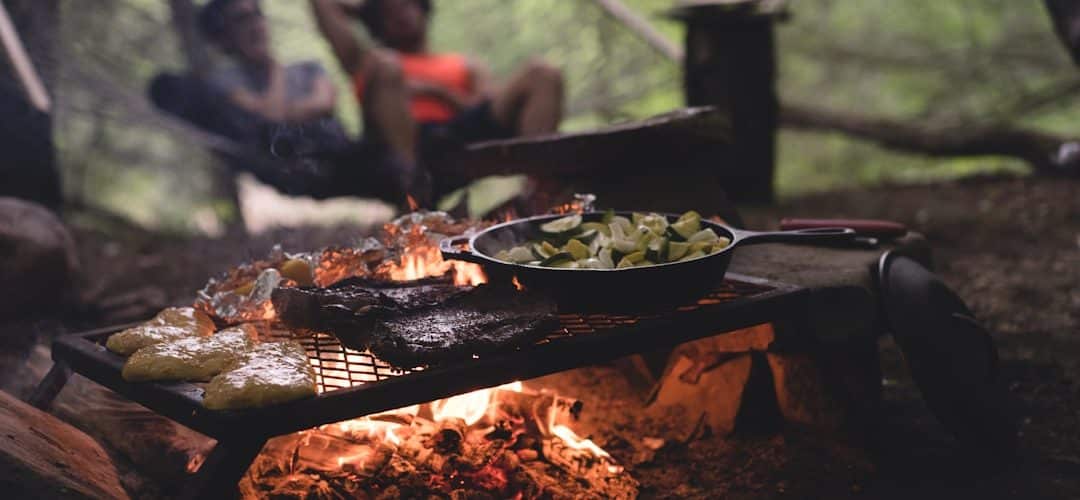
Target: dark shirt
{"points": [[300, 79]]}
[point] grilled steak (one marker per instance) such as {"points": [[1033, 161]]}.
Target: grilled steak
{"points": [[485, 321], [348, 309]]}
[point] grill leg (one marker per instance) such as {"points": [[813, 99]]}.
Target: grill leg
{"points": [[50, 386], [224, 467]]}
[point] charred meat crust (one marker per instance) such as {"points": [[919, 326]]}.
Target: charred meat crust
{"points": [[348, 309], [484, 321]]}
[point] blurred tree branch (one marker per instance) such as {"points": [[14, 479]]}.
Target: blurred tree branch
{"points": [[1043, 151]]}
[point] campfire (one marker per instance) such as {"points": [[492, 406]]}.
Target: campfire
{"points": [[502, 442]]}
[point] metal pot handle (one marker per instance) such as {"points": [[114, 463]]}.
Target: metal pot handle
{"points": [[815, 235], [448, 247]]}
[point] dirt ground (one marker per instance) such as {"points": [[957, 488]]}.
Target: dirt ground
{"points": [[1010, 247]]}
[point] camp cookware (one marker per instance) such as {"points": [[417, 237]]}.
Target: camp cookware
{"points": [[612, 289]]}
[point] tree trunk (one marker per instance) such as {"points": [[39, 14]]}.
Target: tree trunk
{"points": [[26, 133], [730, 63]]}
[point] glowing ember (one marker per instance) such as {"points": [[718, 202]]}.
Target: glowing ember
{"points": [[517, 284], [582, 203], [502, 442], [413, 205], [195, 463]]}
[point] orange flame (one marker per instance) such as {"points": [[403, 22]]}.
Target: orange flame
{"points": [[413, 205], [508, 215], [470, 407], [422, 259], [517, 284]]}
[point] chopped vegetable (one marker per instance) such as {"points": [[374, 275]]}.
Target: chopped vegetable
{"points": [[617, 242], [563, 225], [577, 249]]}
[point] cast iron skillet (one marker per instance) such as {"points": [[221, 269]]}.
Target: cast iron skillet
{"points": [[634, 288]]}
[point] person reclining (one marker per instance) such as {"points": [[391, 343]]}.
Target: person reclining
{"points": [[299, 92], [280, 115], [417, 102]]}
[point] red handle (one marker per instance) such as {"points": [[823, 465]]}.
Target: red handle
{"points": [[864, 227]]}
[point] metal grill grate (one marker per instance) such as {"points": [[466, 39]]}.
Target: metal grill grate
{"points": [[338, 367]]}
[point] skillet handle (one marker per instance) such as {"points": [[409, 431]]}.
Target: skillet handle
{"points": [[825, 235], [448, 247]]}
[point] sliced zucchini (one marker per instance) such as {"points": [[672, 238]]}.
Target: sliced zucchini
{"points": [[503, 255], [693, 255], [655, 223], [556, 259], [549, 249], [626, 225], [563, 225], [609, 215], [578, 249], [625, 245], [542, 253], [706, 235], [701, 246], [591, 263], [690, 215], [672, 235], [657, 250], [566, 264], [587, 236], [687, 228], [624, 263], [598, 226], [520, 255], [606, 258], [677, 250], [635, 257]]}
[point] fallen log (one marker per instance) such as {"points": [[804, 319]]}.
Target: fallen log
{"points": [[1045, 152], [43, 457]]}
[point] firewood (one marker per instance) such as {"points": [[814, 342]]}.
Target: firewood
{"points": [[42, 457], [710, 398]]}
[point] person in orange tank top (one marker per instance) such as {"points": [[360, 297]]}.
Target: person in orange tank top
{"points": [[419, 103]]}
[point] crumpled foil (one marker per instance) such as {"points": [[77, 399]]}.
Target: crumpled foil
{"points": [[243, 293]]}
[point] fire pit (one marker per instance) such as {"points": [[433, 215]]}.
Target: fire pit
{"points": [[354, 384]]}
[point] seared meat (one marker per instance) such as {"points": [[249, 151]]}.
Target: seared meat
{"points": [[485, 321], [348, 310]]}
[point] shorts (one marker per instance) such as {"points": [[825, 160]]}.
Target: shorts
{"points": [[474, 124]]}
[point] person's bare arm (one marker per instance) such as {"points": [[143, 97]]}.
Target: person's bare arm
{"points": [[319, 104], [336, 27]]}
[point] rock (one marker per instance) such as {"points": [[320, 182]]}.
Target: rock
{"points": [[801, 392], [38, 257]]}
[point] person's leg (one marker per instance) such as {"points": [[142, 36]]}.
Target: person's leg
{"points": [[532, 101], [387, 119]]}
